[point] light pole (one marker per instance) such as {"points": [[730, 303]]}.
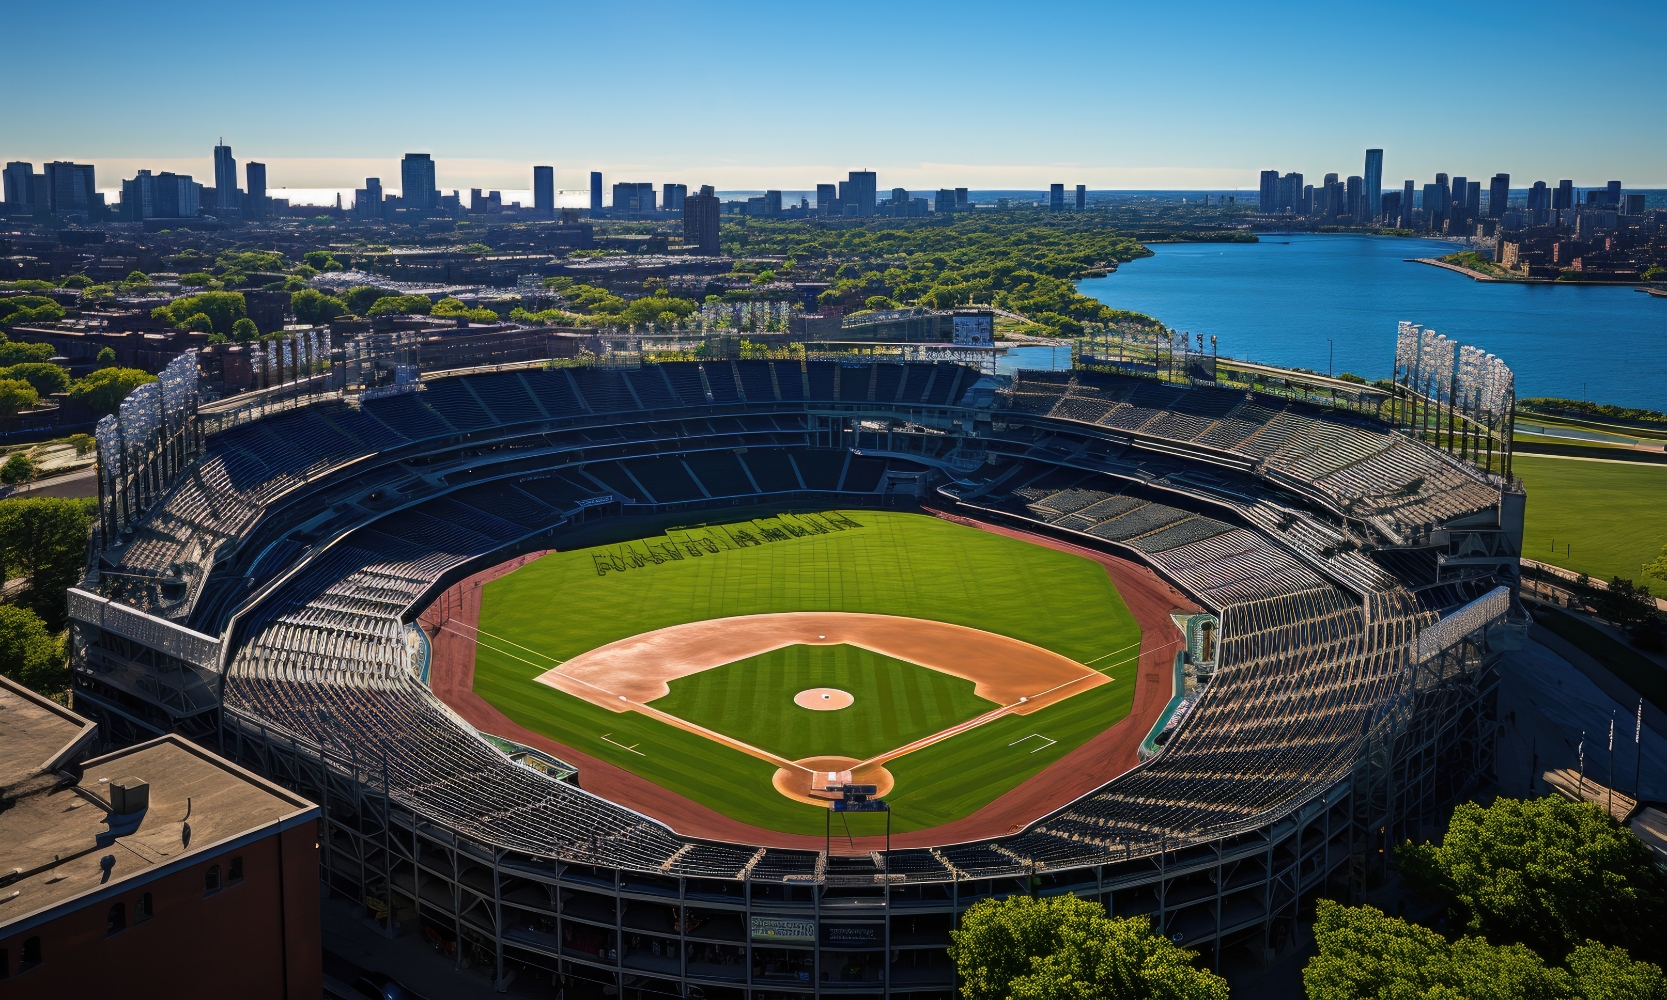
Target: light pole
{"points": [[1330, 357]]}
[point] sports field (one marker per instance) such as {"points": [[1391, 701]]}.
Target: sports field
{"points": [[895, 702], [869, 562], [1603, 519]]}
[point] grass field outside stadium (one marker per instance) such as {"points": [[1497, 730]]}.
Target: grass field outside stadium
{"points": [[1603, 519], [874, 562]]}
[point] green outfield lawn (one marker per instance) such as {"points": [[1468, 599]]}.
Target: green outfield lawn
{"points": [[1606, 518], [896, 564], [895, 702]]}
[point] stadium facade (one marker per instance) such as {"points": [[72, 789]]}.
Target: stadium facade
{"points": [[260, 564]]}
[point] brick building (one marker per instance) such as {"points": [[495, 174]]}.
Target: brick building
{"points": [[159, 871]]}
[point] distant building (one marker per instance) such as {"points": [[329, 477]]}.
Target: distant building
{"points": [[416, 178], [20, 186], [672, 196], [1406, 205], [161, 196], [1270, 191], [226, 194], [367, 201], [1390, 207], [861, 190], [163, 865], [827, 199], [1373, 190], [945, 201], [544, 191], [633, 196], [1499, 195], [1632, 204], [1564, 197], [1056, 197], [1354, 199], [596, 192], [1082, 197], [1614, 197], [70, 188], [700, 222], [961, 202], [1472, 202], [254, 199]]}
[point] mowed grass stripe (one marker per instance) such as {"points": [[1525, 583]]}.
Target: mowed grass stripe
{"points": [[897, 564]]}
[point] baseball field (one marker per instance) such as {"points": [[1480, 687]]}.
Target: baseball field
{"points": [[965, 661]]}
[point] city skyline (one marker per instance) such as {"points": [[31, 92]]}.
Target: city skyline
{"points": [[1180, 110]]}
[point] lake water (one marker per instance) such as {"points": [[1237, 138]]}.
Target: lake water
{"points": [[1280, 300]]}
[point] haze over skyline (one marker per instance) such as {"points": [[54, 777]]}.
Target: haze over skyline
{"points": [[1190, 96]]}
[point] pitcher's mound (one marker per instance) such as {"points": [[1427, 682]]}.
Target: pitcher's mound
{"points": [[823, 699]]}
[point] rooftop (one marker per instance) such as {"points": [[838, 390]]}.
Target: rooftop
{"points": [[56, 832]]}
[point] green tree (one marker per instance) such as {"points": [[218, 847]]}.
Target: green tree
{"points": [[106, 357], [312, 306], [14, 352], [1657, 567], [28, 652], [419, 305], [45, 539], [1066, 948], [360, 299], [16, 396], [245, 330], [196, 279], [198, 323], [222, 309], [46, 378], [103, 390], [75, 281], [1544, 872], [1602, 973], [84, 443], [19, 468], [1363, 954]]}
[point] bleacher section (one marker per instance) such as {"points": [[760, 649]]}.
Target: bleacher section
{"points": [[1365, 471]]}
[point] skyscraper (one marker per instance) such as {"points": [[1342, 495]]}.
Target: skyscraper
{"points": [[367, 201], [1406, 205], [864, 187], [961, 203], [1472, 202], [1461, 208], [945, 201], [20, 186], [700, 221], [1056, 197], [1499, 195], [416, 178], [596, 192], [1270, 191], [827, 199], [544, 190], [1564, 196], [225, 177], [1082, 198], [69, 188], [1614, 197], [254, 175], [1374, 184], [672, 197], [1354, 199]]}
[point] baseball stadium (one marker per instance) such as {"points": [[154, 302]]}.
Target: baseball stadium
{"points": [[744, 677]]}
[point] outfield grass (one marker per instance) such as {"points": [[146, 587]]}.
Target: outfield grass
{"points": [[1606, 518], [896, 702], [897, 564]]}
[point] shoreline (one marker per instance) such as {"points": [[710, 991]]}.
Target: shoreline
{"points": [[1475, 275]]}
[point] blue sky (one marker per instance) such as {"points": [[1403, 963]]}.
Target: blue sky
{"points": [[1113, 95]]}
